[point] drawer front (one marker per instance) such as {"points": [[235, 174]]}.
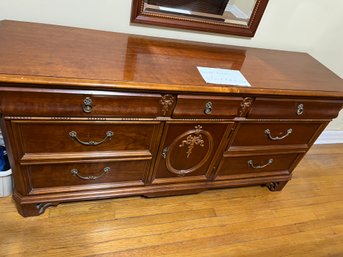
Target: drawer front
{"points": [[253, 165], [57, 175], [87, 105], [275, 133], [68, 137], [207, 107], [294, 109]]}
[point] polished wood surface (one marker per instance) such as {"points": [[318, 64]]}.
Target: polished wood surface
{"points": [[43, 176], [72, 57], [206, 107], [292, 133], [252, 164], [55, 137], [294, 109], [305, 219], [58, 103], [82, 138]]}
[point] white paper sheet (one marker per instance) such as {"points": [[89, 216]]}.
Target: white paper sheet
{"points": [[223, 76]]}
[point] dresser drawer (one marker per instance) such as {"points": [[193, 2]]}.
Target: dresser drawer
{"points": [[294, 109], [207, 107], [257, 165], [83, 136], [275, 133], [120, 173], [86, 105]]}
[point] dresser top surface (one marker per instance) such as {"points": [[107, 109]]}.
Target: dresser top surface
{"points": [[64, 57]]}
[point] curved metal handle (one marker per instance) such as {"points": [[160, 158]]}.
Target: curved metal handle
{"points": [[252, 165], [164, 152], [87, 105], [73, 134], [268, 133], [75, 173], [208, 108], [300, 109]]}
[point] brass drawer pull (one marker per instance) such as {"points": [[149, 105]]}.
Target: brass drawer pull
{"points": [[87, 105], [208, 108], [267, 132], [165, 152], [300, 109], [252, 165], [75, 173], [73, 134]]}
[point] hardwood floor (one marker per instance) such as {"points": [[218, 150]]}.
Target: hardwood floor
{"points": [[305, 219]]}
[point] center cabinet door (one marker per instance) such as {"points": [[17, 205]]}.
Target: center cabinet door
{"points": [[189, 150]]}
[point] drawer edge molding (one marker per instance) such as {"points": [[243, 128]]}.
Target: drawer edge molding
{"points": [[252, 175], [248, 151], [45, 158]]}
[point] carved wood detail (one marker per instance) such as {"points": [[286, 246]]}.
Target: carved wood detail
{"points": [[193, 140], [167, 101], [193, 137], [245, 106]]}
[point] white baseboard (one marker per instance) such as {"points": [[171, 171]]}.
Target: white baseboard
{"points": [[330, 137]]}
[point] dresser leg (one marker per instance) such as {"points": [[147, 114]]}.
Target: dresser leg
{"points": [[276, 186], [33, 209]]}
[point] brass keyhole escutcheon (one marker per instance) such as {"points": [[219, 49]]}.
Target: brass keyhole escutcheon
{"points": [[87, 105], [208, 108], [300, 109]]}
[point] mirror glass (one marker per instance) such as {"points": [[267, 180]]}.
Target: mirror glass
{"points": [[224, 11]]}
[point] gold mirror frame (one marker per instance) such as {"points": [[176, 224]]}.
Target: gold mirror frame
{"points": [[139, 15]]}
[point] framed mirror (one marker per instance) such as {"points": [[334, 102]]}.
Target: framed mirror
{"points": [[235, 17]]}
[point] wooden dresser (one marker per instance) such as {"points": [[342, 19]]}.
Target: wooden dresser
{"points": [[91, 115]]}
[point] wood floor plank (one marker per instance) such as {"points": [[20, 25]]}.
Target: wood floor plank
{"points": [[305, 219]]}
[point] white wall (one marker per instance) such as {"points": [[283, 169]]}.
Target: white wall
{"points": [[313, 26]]}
